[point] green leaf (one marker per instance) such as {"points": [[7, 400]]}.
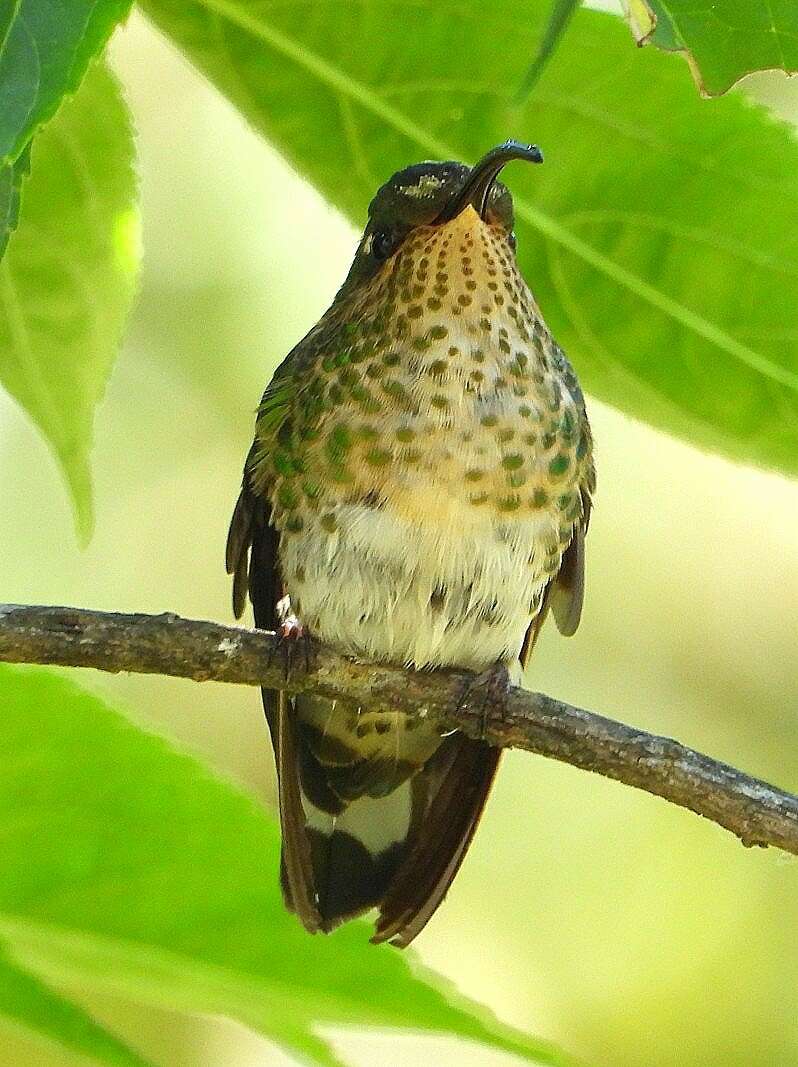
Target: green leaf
{"points": [[67, 279], [559, 17], [722, 42], [658, 237], [26, 1004], [45, 49], [11, 177], [128, 867]]}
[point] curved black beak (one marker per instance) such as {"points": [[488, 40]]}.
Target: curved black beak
{"points": [[477, 186]]}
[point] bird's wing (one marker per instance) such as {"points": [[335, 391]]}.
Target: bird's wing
{"points": [[252, 559], [565, 593]]}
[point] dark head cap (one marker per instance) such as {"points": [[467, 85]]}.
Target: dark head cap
{"points": [[432, 194]]}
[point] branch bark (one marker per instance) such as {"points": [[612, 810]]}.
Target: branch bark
{"points": [[758, 813]]}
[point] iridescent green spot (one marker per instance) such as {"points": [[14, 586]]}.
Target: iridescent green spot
{"points": [[367, 432], [478, 498], [478, 355], [530, 438], [283, 463], [505, 435], [374, 370], [437, 333], [329, 522], [287, 496], [559, 465], [339, 441], [411, 456], [540, 498], [509, 503], [568, 424], [438, 368], [378, 457], [348, 377], [470, 285], [524, 411], [464, 300], [311, 489], [516, 479], [474, 475], [547, 440], [489, 420], [477, 376], [294, 524], [440, 402], [340, 475], [421, 344], [396, 391], [392, 359], [365, 400], [434, 303], [404, 433], [513, 461], [415, 311]]}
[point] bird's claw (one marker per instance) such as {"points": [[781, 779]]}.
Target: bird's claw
{"points": [[290, 638], [487, 694]]}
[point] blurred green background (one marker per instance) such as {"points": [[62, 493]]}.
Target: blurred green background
{"points": [[629, 931]]}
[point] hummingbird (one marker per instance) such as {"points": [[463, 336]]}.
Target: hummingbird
{"points": [[417, 493]]}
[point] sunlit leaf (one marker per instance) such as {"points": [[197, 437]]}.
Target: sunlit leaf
{"points": [[660, 235], [45, 48], [27, 1005], [67, 278], [722, 42], [129, 867]]}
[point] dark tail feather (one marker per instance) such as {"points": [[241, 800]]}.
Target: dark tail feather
{"points": [[398, 853], [464, 770]]}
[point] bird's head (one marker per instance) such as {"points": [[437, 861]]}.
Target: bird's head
{"points": [[439, 206]]}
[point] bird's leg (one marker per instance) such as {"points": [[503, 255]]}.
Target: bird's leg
{"points": [[291, 635], [487, 694]]}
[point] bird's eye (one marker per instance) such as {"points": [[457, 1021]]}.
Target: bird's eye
{"points": [[512, 240], [382, 245]]}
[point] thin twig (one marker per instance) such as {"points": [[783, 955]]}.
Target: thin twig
{"points": [[758, 813]]}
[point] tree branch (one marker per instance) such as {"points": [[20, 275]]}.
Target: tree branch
{"points": [[758, 813]]}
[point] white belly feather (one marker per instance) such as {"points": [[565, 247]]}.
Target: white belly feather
{"points": [[458, 590]]}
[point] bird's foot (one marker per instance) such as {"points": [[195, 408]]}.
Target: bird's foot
{"points": [[487, 695], [292, 641]]}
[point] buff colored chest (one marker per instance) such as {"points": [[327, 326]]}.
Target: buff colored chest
{"points": [[429, 478]]}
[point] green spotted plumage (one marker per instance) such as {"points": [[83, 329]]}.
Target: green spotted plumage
{"points": [[419, 486]]}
